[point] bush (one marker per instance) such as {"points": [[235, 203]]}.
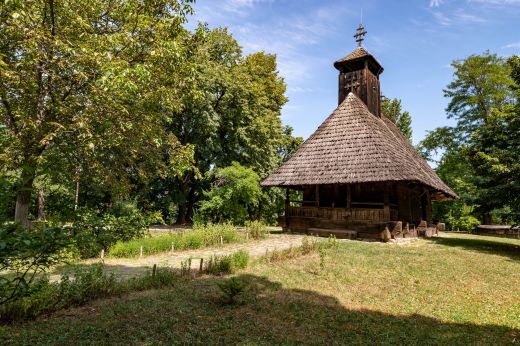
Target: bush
{"points": [[200, 236], [465, 223], [25, 254], [231, 288], [77, 288], [256, 229], [94, 232], [218, 265]]}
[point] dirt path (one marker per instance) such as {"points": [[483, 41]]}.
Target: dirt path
{"points": [[128, 267]]}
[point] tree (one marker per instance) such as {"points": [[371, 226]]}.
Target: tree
{"points": [[75, 82], [403, 120], [481, 100], [230, 112], [495, 153]]}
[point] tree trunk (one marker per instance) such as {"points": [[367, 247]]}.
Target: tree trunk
{"points": [[191, 203], [41, 205], [23, 198], [183, 203]]}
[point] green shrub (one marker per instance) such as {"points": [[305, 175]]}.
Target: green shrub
{"points": [[256, 229], [201, 236], [230, 289], [234, 196], [94, 232], [218, 265], [26, 254], [77, 288], [465, 223]]}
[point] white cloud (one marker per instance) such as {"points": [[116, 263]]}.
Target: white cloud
{"points": [[512, 45], [243, 7], [436, 3], [458, 16]]}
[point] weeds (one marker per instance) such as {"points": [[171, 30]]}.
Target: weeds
{"points": [[218, 265], [201, 236], [256, 229], [308, 246], [78, 288]]}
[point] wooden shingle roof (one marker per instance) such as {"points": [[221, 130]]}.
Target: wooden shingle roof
{"points": [[354, 146], [356, 56]]}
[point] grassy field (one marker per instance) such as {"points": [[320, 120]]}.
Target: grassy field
{"points": [[458, 289]]}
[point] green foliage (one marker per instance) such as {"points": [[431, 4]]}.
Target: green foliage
{"points": [[218, 265], [478, 156], [256, 229], [78, 287], [234, 197], [94, 232], [465, 222], [403, 120], [231, 289], [201, 236], [25, 254], [83, 93], [231, 113]]}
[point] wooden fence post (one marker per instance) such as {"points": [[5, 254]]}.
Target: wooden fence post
{"points": [[154, 270], [200, 267]]}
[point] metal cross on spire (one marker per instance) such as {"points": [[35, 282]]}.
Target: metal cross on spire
{"points": [[360, 34]]}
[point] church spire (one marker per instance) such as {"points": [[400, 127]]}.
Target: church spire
{"points": [[360, 34]]}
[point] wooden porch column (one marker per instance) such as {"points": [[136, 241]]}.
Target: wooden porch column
{"points": [[386, 206], [428, 207], [317, 195], [287, 205]]}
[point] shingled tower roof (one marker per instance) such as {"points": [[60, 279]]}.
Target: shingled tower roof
{"points": [[355, 58], [354, 146]]}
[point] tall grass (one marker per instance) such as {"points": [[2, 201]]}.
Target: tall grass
{"points": [[218, 265], [257, 229], [201, 236]]}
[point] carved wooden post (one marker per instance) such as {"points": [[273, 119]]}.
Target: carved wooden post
{"points": [[317, 195]]}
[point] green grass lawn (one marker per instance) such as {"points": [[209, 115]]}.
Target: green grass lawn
{"points": [[459, 289]]}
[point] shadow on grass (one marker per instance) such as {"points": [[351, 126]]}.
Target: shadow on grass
{"points": [[490, 245], [267, 313]]}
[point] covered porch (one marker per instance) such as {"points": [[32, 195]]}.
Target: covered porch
{"points": [[364, 209]]}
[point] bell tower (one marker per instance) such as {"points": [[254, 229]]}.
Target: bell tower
{"points": [[359, 73]]}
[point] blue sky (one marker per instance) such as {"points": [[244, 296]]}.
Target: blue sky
{"points": [[415, 41]]}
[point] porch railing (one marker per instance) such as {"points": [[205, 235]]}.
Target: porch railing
{"points": [[340, 214]]}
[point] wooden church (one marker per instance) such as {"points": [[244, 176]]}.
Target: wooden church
{"points": [[358, 176]]}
